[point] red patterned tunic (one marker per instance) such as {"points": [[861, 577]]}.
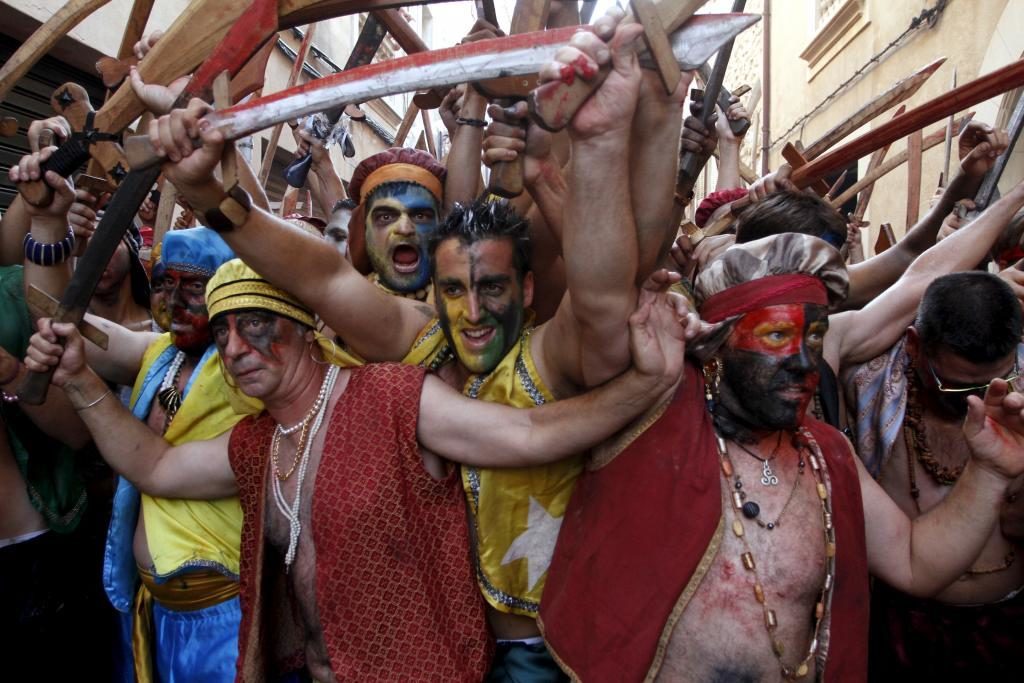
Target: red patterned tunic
{"points": [[394, 587]]}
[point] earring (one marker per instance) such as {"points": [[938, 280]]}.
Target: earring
{"points": [[334, 351], [712, 378]]}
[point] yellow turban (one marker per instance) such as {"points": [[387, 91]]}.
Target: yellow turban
{"points": [[235, 286]]}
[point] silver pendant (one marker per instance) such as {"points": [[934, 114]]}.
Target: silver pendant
{"points": [[768, 478]]}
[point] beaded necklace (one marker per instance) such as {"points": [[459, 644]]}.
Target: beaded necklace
{"points": [[420, 294], [291, 511], [771, 622], [916, 441]]}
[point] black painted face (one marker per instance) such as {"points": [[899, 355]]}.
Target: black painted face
{"points": [[770, 365]]}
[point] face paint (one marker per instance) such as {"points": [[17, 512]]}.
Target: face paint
{"points": [[158, 304], [398, 227], [186, 301], [480, 301], [770, 365], [255, 347]]}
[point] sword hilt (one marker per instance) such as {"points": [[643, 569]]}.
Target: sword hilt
{"points": [[506, 179], [65, 161], [141, 154], [34, 387]]}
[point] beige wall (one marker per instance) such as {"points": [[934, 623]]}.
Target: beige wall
{"points": [[969, 33]]}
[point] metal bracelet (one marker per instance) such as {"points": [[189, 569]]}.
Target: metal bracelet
{"points": [[106, 393]]}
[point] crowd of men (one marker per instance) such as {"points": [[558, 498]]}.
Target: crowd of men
{"points": [[442, 436]]}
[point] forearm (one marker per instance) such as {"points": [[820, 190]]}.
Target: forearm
{"points": [[250, 183], [968, 515], [462, 182], [550, 194], [51, 279], [55, 417], [881, 323], [127, 444], [728, 166], [563, 428], [654, 163], [330, 189], [121, 361], [600, 242], [16, 223]]}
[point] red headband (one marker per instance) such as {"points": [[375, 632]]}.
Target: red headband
{"points": [[766, 291]]}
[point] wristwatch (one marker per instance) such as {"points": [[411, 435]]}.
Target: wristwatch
{"points": [[232, 211]]}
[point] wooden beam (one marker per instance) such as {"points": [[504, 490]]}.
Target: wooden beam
{"points": [[999, 81], [406, 125], [293, 78], [877, 157], [934, 138], [914, 150], [428, 132], [43, 39]]}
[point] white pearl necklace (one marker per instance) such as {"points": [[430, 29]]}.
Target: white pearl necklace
{"points": [[291, 512]]}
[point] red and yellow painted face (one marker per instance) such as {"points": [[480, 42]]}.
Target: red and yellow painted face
{"points": [[771, 362], [185, 298], [257, 348], [480, 300]]}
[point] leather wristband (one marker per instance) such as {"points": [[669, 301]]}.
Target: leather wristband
{"points": [[232, 211]]}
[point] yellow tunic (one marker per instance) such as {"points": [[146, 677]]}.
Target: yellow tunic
{"points": [[196, 533], [516, 513]]}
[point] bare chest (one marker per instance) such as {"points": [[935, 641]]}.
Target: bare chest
{"points": [[294, 493], [722, 634], [998, 570]]}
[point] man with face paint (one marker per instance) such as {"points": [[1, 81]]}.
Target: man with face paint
{"points": [[727, 534], [479, 337], [399, 198], [911, 402], [181, 622], [365, 576]]}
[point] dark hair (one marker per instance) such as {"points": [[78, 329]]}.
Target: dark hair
{"points": [[485, 220], [790, 211], [974, 315], [346, 203]]}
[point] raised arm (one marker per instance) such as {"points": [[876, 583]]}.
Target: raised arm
{"points": [[858, 336], [376, 326], [979, 144], [493, 435], [586, 342], [917, 557], [199, 469]]}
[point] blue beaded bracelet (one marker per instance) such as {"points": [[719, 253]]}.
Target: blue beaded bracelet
{"points": [[49, 254]]}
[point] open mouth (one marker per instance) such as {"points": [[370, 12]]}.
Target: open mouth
{"points": [[405, 258], [477, 337]]}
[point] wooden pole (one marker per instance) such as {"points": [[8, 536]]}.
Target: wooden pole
{"points": [[1007, 78], [934, 138], [428, 132], [902, 91], [406, 125], [293, 78], [43, 40], [914, 151], [877, 157]]}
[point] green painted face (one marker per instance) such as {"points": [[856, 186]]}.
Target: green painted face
{"points": [[399, 224], [480, 300]]}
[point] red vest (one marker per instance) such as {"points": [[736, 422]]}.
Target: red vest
{"points": [[638, 530], [395, 592]]}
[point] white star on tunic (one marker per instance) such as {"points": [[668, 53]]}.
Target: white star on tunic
{"points": [[537, 543]]}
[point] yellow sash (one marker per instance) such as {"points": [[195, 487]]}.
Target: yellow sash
{"points": [[196, 533]]}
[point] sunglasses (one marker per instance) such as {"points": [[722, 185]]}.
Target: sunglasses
{"points": [[1010, 378]]}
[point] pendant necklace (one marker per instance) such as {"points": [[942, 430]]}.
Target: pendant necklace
{"points": [[291, 511], [768, 477], [168, 395], [821, 607]]}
